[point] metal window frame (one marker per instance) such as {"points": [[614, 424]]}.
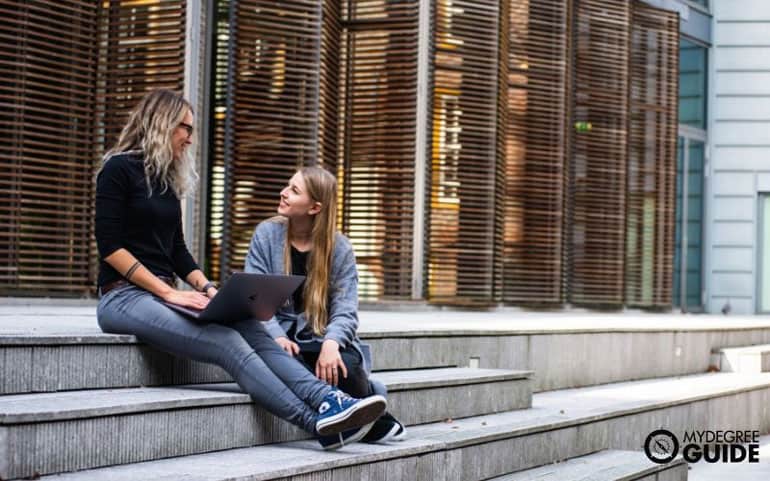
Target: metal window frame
{"points": [[761, 195]]}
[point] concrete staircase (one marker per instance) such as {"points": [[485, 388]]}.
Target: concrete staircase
{"points": [[107, 407]]}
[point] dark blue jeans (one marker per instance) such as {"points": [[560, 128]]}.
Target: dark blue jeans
{"points": [[275, 380]]}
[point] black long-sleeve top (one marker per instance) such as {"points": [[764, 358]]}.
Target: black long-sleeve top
{"points": [[150, 228]]}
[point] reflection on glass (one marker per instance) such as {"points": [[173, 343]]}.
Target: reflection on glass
{"points": [[689, 217], [692, 84]]}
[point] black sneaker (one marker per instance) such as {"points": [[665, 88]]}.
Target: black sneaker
{"points": [[336, 441], [385, 429]]}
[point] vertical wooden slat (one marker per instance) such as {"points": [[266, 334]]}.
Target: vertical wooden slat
{"points": [[216, 201], [379, 81], [652, 156], [599, 155], [535, 147], [47, 99], [328, 108], [465, 162], [503, 124]]}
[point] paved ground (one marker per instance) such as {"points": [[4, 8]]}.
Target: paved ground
{"points": [[47, 317], [735, 472]]}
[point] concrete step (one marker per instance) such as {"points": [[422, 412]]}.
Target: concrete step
{"points": [[609, 465], [55, 348], [747, 359], [560, 425], [55, 432]]}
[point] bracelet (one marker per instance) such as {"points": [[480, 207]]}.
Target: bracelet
{"points": [[131, 271], [208, 286]]}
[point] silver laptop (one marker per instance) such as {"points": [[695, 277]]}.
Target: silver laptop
{"points": [[245, 296]]}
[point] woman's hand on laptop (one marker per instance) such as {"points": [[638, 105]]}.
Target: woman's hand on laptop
{"points": [[192, 299], [211, 292]]}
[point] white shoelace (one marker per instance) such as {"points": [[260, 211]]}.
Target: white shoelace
{"points": [[340, 395]]}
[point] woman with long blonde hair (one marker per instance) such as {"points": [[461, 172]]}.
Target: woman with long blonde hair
{"points": [[319, 323], [142, 250]]}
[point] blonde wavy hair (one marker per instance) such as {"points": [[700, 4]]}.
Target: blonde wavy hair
{"points": [[150, 129], [322, 188]]}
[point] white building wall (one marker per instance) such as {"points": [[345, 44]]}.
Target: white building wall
{"points": [[740, 151]]}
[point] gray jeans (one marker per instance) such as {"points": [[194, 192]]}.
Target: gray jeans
{"points": [[275, 380]]}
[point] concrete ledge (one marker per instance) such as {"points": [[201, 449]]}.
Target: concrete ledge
{"points": [[561, 425], [610, 465], [560, 360], [750, 359], [47, 407], [55, 432], [44, 349]]}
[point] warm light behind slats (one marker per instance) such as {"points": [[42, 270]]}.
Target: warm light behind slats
{"points": [[378, 121], [466, 170], [535, 151], [275, 75]]}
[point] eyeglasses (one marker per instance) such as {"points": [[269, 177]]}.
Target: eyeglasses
{"points": [[187, 127]]}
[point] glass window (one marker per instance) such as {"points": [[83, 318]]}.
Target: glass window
{"points": [[689, 222], [692, 84]]}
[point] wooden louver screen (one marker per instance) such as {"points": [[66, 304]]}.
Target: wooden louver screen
{"points": [[465, 168], [47, 100], [379, 78], [597, 195], [144, 50], [535, 149], [273, 95], [652, 156]]}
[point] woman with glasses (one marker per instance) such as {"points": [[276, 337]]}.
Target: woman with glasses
{"points": [[319, 323], [142, 249]]}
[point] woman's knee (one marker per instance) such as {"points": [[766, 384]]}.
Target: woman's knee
{"points": [[126, 310]]}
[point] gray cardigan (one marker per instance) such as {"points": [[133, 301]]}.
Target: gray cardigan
{"points": [[266, 257]]}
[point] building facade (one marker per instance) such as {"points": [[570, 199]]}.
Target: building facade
{"points": [[739, 165], [549, 153]]}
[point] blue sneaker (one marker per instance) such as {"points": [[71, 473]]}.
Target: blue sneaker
{"points": [[336, 441], [339, 412]]}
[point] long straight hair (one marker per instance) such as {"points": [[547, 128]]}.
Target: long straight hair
{"points": [[150, 129], [321, 187]]}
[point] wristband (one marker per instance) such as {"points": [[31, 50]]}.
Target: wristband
{"points": [[207, 286]]}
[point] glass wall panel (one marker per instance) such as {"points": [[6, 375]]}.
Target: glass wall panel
{"points": [[692, 84]]}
